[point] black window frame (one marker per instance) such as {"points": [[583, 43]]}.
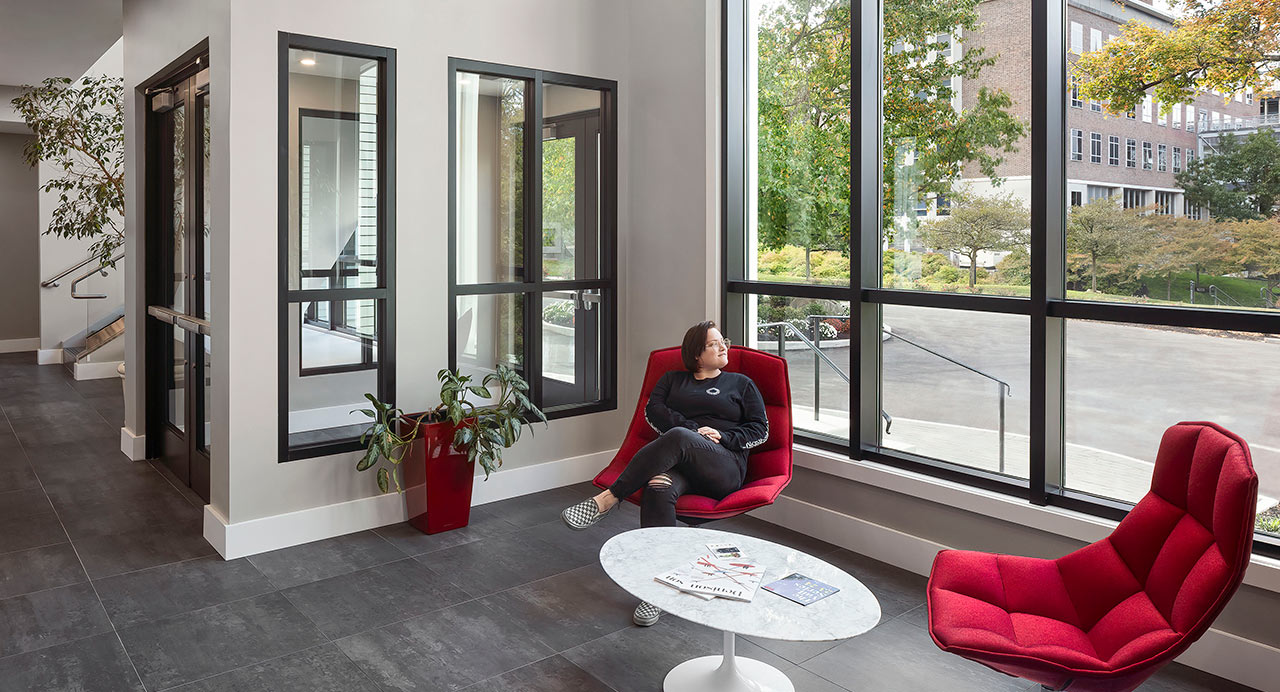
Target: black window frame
{"points": [[384, 295], [532, 286], [1048, 306], [1113, 150]]}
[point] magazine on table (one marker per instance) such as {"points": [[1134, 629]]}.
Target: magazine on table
{"points": [[801, 589], [710, 576]]}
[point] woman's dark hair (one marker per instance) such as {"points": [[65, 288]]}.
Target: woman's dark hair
{"points": [[695, 342]]}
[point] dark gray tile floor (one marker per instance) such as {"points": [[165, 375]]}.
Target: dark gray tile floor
{"points": [[106, 585]]}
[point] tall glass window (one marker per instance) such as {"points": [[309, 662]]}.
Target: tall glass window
{"points": [[533, 231], [335, 235], [1005, 342]]}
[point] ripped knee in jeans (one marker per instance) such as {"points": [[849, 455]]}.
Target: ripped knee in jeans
{"points": [[660, 482]]}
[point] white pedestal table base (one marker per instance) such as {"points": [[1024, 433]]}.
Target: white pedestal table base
{"points": [[727, 673]]}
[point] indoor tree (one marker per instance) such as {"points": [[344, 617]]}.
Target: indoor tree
{"points": [[78, 128]]}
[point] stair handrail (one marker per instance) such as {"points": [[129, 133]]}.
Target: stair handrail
{"points": [[102, 268], [53, 283]]}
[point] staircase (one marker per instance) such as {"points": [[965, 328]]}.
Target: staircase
{"points": [[96, 352]]}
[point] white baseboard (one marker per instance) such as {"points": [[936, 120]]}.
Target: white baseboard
{"points": [[19, 345], [133, 446], [86, 370], [49, 356], [1220, 653], [240, 539]]}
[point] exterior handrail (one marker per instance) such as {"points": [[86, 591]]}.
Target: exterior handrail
{"points": [[1004, 389], [53, 283], [100, 268]]}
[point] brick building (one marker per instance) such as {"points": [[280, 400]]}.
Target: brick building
{"points": [[1132, 157]]}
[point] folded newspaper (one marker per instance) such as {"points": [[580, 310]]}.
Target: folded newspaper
{"points": [[709, 576]]}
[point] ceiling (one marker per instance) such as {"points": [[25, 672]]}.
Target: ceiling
{"points": [[45, 38]]}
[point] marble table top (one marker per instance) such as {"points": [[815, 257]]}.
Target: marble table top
{"points": [[632, 559]]}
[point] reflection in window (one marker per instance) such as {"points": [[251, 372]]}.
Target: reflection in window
{"points": [[335, 232], [490, 178]]}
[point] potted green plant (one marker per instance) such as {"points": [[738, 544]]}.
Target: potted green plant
{"points": [[455, 436]]}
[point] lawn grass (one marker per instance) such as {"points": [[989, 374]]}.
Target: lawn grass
{"points": [[1247, 292]]}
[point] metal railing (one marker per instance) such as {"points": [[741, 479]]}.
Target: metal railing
{"points": [[101, 269], [53, 283], [1250, 123], [1002, 388]]}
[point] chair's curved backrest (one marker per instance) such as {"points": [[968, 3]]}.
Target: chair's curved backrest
{"points": [[1185, 545], [772, 459]]}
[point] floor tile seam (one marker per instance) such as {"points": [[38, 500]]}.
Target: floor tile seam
{"points": [[352, 661], [509, 588], [44, 590], [477, 683], [79, 559], [189, 613], [303, 613], [43, 545], [400, 558], [160, 566], [247, 665], [65, 642], [820, 676]]}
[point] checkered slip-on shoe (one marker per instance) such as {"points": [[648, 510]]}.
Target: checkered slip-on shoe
{"points": [[646, 614], [583, 514]]}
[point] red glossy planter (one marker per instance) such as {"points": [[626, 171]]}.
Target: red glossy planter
{"points": [[438, 481]]}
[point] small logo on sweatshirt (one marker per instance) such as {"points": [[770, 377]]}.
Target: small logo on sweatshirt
{"points": [[713, 391]]}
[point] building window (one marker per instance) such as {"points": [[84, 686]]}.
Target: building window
{"points": [[1131, 153], [1095, 147], [1162, 119], [1146, 156], [1077, 38], [534, 287], [1113, 151], [336, 229], [1146, 108], [944, 205], [1191, 118], [1177, 117], [1162, 157], [880, 291], [1095, 106], [1076, 101], [1177, 159], [1191, 157]]}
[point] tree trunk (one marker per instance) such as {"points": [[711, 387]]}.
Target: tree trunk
{"points": [[807, 264], [1093, 273], [1168, 288], [973, 269]]}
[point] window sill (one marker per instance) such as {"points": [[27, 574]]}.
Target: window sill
{"points": [[1264, 572]]}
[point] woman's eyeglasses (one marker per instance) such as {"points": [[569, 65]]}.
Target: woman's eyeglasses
{"points": [[716, 343]]}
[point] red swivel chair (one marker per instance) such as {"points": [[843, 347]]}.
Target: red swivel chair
{"points": [[768, 466], [1108, 616]]}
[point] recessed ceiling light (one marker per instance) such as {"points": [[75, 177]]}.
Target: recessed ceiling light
{"points": [[307, 61]]}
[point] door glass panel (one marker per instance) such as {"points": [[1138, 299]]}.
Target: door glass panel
{"points": [[571, 347], [178, 118], [333, 181], [490, 182], [490, 331], [177, 377], [206, 261], [570, 183], [206, 386]]}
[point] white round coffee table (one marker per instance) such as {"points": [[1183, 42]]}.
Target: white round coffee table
{"points": [[632, 559]]}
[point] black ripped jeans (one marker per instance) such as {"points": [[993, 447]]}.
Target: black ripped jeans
{"points": [[692, 462]]}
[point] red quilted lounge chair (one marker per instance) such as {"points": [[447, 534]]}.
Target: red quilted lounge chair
{"points": [[768, 467], [1108, 616]]}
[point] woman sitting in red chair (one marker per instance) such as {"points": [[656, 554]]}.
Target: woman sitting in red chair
{"points": [[707, 421]]}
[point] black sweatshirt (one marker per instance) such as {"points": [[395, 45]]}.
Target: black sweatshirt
{"points": [[728, 402]]}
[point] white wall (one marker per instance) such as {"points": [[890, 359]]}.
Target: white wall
{"points": [[656, 51], [61, 316]]}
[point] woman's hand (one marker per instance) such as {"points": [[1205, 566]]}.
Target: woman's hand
{"points": [[710, 433]]}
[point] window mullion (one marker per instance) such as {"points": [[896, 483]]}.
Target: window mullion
{"points": [[533, 239], [864, 245]]}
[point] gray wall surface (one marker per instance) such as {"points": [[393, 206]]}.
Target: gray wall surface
{"points": [[20, 242]]}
